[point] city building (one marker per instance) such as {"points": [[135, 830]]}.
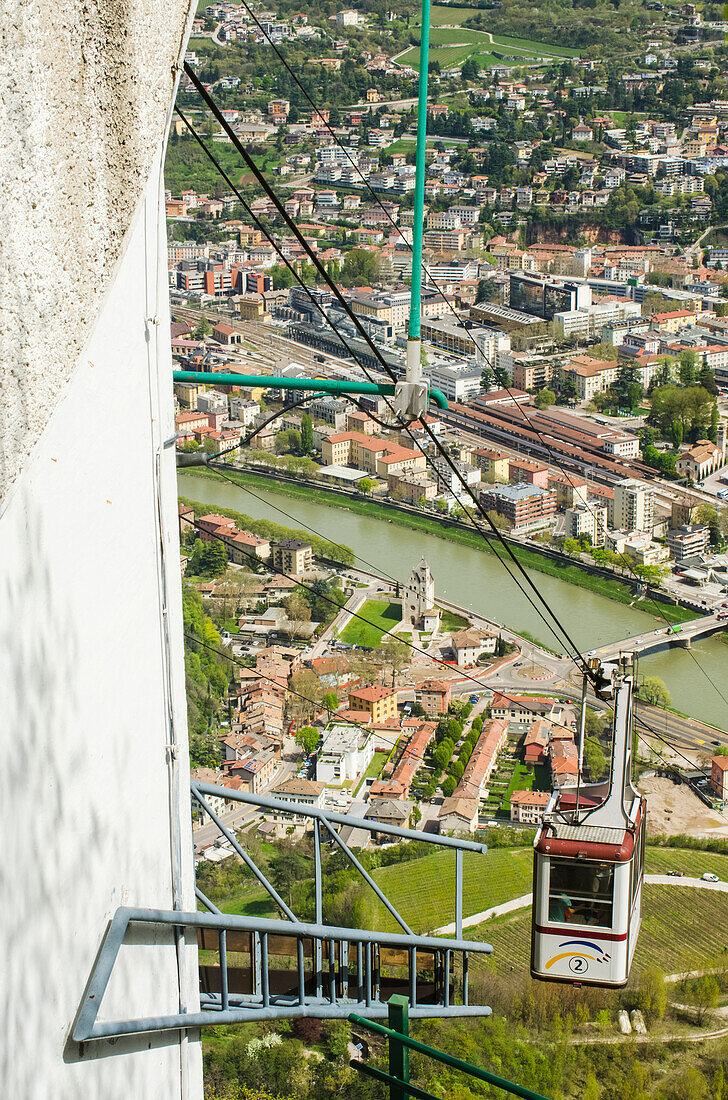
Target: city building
{"points": [[633, 506], [587, 519], [346, 751], [291, 556], [688, 541], [527, 807], [434, 696], [545, 297], [526, 507], [379, 702], [493, 464]]}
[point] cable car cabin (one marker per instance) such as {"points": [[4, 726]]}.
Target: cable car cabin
{"points": [[588, 872], [587, 907]]}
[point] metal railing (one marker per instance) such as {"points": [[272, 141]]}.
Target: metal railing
{"points": [[323, 970], [400, 1046]]}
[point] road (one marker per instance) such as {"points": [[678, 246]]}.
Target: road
{"points": [[243, 815], [662, 637]]}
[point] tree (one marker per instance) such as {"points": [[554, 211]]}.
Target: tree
{"points": [[204, 328], [690, 1085], [209, 559], [306, 434], [449, 786], [704, 995], [571, 546], [360, 266], [594, 759], [366, 485], [544, 398], [298, 611], [652, 996], [287, 868], [654, 690], [308, 739], [330, 700]]}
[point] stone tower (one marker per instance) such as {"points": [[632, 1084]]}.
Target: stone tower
{"points": [[419, 595]]}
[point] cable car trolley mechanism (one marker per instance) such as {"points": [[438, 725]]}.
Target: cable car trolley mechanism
{"points": [[589, 861]]}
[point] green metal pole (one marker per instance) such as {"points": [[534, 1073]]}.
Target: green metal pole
{"points": [[419, 210], [316, 385], [398, 1020]]}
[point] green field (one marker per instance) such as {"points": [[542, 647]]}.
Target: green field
{"points": [[659, 861], [380, 615], [423, 891], [677, 934], [447, 56], [531, 46], [449, 621]]}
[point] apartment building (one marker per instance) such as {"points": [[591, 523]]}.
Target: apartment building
{"points": [[291, 556], [633, 506], [687, 541], [526, 507], [588, 520], [379, 702]]}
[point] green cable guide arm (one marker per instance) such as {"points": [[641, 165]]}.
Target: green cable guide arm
{"points": [[319, 385]]}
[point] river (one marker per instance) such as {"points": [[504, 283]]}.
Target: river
{"points": [[476, 580]]}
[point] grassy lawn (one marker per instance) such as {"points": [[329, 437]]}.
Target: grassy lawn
{"points": [[446, 55], [521, 780], [450, 621], [611, 588], [528, 44], [380, 615], [672, 936], [374, 770], [423, 891]]}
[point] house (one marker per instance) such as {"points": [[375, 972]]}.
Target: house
{"points": [[433, 696], [389, 811], [527, 807], [254, 771], [379, 702], [535, 743], [304, 792], [719, 776], [482, 761], [458, 815], [564, 760], [523, 707], [701, 459], [469, 645]]}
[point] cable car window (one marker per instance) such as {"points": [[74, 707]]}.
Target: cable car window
{"points": [[581, 893]]}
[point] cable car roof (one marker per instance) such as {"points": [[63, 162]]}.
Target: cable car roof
{"points": [[600, 842]]}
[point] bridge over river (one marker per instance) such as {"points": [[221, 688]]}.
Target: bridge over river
{"points": [[681, 634]]}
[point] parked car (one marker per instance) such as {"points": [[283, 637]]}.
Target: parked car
{"points": [[708, 876]]}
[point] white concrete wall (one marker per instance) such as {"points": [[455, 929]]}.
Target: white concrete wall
{"points": [[92, 685]]}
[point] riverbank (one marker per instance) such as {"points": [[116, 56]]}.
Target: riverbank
{"points": [[572, 573]]}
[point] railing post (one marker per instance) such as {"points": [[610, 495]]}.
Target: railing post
{"points": [[398, 1020]]}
